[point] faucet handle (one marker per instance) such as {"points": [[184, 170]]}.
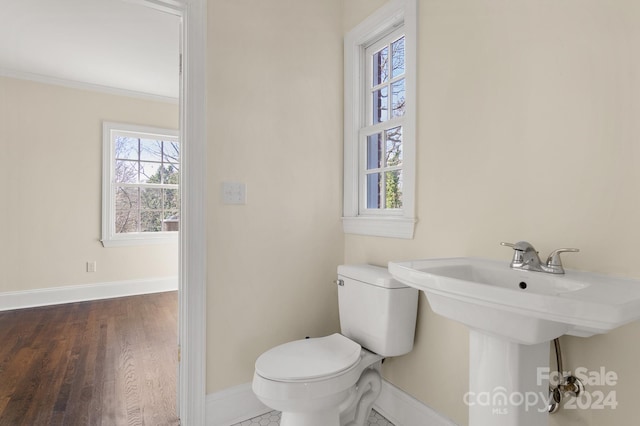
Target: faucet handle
{"points": [[519, 249], [554, 257], [520, 246]]}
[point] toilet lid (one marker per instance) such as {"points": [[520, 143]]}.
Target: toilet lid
{"points": [[308, 358]]}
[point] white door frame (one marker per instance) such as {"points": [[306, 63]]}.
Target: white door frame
{"points": [[193, 243]]}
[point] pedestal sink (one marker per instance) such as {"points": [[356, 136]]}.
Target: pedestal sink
{"points": [[512, 316]]}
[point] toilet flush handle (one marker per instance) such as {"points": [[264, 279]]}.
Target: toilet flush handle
{"points": [[339, 282]]}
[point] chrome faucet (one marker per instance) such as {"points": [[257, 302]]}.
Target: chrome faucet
{"points": [[526, 258]]}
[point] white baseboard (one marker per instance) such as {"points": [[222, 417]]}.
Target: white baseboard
{"points": [[233, 405], [402, 409], [237, 404], [84, 292]]}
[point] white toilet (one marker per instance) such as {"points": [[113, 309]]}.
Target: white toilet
{"points": [[334, 380]]}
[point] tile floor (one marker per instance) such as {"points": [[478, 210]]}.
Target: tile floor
{"points": [[273, 419]]}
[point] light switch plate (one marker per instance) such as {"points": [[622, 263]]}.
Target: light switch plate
{"points": [[234, 193]]}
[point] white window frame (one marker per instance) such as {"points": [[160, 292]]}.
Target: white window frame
{"points": [[109, 236], [398, 223]]}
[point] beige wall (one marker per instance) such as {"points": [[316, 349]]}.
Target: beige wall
{"points": [[275, 115], [51, 139], [527, 129]]}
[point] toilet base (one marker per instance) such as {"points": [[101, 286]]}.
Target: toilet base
{"points": [[354, 411]]}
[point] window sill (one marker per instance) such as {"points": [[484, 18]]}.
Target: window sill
{"points": [[376, 226], [140, 240]]}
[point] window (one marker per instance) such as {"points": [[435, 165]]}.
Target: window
{"points": [[380, 90], [140, 190], [385, 106]]}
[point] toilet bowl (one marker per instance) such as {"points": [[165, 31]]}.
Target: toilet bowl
{"points": [[335, 380], [326, 381]]}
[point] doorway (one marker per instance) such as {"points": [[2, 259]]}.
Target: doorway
{"points": [[193, 247], [192, 271]]}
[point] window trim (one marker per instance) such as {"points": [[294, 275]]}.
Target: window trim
{"points": [[392, 223], [109, 237]]}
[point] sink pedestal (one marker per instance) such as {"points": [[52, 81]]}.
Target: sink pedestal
{"points": [[506, 387]]}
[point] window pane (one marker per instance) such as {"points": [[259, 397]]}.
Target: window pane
{"points": [[150, 221], [381, 66], [127, 202], [380, 109], [391, 197], [171, 221], [150, 172], [374, 185], [127, 220], [150, 150], [170, 174], [393, 193], [374, 151], [171, 199], [126, 172], [151, 198], [170, 152], [127, 198], [397, 53], [397, 98], [126, 148], [393, 148]]}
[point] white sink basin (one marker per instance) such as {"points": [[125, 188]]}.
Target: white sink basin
{"points": [[522, 306]]}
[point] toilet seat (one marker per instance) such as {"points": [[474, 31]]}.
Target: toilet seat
{"points": [[309, 359]]}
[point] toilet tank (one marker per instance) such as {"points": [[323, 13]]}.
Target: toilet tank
{"points": [[376, 311]]}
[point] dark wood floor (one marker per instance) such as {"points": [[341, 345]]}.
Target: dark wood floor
{"points": [[109, 362]]}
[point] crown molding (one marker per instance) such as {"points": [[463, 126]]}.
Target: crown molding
{"points": [[73, 84]]}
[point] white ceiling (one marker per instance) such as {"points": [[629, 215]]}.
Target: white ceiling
{"points": [[111, 43]]}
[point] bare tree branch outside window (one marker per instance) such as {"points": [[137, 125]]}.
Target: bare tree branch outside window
{"points": [[147, 178]]}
